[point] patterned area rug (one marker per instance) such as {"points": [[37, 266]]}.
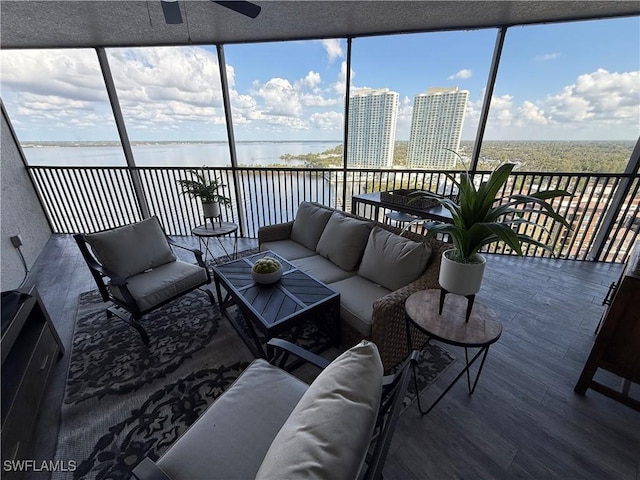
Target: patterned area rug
{"points": [[124, 401]]}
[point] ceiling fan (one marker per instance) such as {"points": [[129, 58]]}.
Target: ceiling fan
{"points": [[172, 14]]}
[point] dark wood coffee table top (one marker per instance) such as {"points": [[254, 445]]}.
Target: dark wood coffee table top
{"points": [[481, 330], [278, 303]]}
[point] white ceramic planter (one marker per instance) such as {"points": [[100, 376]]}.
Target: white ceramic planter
{"points": [[211, 210], [461, 278], [267, 278]]}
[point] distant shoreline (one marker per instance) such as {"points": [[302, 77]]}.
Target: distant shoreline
{"points": [[67, 144]]}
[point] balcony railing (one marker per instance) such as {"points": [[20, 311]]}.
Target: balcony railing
{"points": [[88, 199]]}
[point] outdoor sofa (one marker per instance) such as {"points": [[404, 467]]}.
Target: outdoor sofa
{"points": [[370, 264]]}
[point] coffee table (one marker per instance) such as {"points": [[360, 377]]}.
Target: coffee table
{"points": [[270, 309]]}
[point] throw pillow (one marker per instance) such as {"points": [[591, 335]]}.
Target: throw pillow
{"points": [[132, 249], [328, 433], [343, 240], [393, 261], [309, 224]]}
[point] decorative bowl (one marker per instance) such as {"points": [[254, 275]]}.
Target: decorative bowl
{"points": [[267, 278]]}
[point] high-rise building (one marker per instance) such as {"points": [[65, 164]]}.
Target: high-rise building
{"points": [[373, 115], [436, 128]]}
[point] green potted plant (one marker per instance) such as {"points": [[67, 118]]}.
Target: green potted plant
{"points": [[481, 216], [207, 190]]}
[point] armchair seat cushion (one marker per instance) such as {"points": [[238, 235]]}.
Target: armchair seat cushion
{"points": [[161, 283], [287, 249], [230, 440]]}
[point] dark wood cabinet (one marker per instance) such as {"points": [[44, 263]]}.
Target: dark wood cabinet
{"points": [[30, 347], [617, 344]]}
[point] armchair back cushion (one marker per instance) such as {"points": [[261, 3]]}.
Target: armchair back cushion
{"points": [[329, 431], [132, 249], [393, 261], [309, 224], [343, 240]]}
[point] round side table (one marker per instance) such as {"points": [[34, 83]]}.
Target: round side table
{"points": [[480, 331], [216, 230]]}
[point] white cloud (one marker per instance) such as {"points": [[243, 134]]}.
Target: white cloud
{"points": [[317, 100], [312, 80], [597, 105], [340, 86], [462, 74], [405, 114], [156, 86], [327, 120], [290, 123], [529, 113], [500, 111], [600, 96], [280, 98], [547, 57], [333, 47]]}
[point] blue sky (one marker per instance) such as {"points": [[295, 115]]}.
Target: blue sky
{"points": [[571, 81]]}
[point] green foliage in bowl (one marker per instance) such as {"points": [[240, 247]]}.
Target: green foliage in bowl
{"points": [[267, 265]]}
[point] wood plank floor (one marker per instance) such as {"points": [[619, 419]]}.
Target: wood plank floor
{"points": [[523, 421]]}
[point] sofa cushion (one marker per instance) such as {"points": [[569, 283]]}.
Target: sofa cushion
{"points": [[234, 434], [309, 224], [132, 249], [287, 249], [393, 261], [357, 295], [321, 269], [343, 240], [328, 433]]}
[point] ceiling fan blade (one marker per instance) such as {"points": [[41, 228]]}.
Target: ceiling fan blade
{"points": [[245, 8], [171, 10]]}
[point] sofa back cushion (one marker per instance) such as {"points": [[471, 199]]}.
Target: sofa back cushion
{"points": [[328, 433], [393, 261], [309, 224], [343, 240], [132, 249]]}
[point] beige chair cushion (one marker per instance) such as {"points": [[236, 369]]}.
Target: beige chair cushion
{"points": [[309, 224], [287, 249], [132, 249], [233, 435], [343, 240], [357, 295], [321, 269], [161, 283], [393, 261], [328, 433]]}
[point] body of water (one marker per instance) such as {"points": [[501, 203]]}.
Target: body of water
{"points": [[259, 154]]}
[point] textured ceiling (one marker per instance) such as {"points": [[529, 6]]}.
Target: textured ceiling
{"points": [[55, 24]]}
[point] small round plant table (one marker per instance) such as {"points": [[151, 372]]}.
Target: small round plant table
{"points": [[480, 330], [216, 229]]}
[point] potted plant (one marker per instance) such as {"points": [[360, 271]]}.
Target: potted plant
{"points": [[481, 216], [207, 190]]}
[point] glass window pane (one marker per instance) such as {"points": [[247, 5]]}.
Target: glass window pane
{"points": [[287, 101], [171, 100], [567, 97], [419, 94], [58, 106]]}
